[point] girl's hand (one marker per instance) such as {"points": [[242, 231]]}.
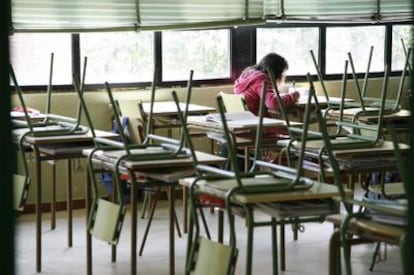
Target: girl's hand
{"points": [[295, 95]]}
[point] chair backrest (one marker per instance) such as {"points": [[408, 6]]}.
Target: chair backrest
{"points": [[320, 77], [136, 125], [361, 93], [233, 102], [214, 258]]}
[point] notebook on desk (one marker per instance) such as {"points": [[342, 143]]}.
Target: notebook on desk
{"points": [[140, 152]]}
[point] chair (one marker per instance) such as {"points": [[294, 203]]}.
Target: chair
{"points": [[357, 135], [367, 103], [153, 147], [21, 185], [50, 125], [297, 212], [213, 180], [359, 224], [141, 128], [233, 102]]}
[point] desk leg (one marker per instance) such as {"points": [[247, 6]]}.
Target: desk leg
{"points": [[38, 210], [185, 209], [69, 201], [172, 231], [88, 202], [249, 242], [220, 225], [134, 215], [53, 204]]}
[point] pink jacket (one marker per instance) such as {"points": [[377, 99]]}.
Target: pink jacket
{"points": [[250, 84]]}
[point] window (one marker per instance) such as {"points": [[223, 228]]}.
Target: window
{"points": [[294, 44], [118, 57], [357, 41], [206, 52], [30, 57], [400, 34]]}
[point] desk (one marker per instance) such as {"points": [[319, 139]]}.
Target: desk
{"points": [[55, 148], [169, 171], [318, 191], [400, 117], [322, 101], [168, 108], [243, 133], [359, 160], [299, 107], [399, 120], [166, 112]]}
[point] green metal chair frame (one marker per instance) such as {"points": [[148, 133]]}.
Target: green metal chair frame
{"points": [[119, 151], [299, 136], [236, 182], [51, 125], [357, 223], [391, 105]]}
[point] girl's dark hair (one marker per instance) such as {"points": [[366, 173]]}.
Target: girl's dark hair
{"points": [[277, 63]]}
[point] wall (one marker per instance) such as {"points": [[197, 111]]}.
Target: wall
{"points": [[100, 111]]}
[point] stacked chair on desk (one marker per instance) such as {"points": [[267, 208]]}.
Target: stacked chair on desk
{"points": [[299, 212], [36, 135], [353, 134], [48, 125], [106, 217], [365, 105], [224, 186], [365, 224]]}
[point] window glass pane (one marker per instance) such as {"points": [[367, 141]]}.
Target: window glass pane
{"points": [[118, 57], [206, 52], [357, 41], [30, 57], [400, 34], [294, 44]]}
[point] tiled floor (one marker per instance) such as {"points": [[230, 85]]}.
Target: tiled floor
{"points": [[308, 255]]}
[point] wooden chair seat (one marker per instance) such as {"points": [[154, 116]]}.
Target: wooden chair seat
{"points": [[372, 228]]}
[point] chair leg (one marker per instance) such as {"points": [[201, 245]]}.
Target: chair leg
{"points": [[151, 216], [274, 247], [177, 225], [204, 221], [249, 245], [53, 203], [144, 205], [152, 211], [346, 246], [185, 209], [375, 256], [282, 246], [69, 202], [335, 253]]}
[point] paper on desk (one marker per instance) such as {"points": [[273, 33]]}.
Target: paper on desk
{"points": [[233, 116], [245, 118]]}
